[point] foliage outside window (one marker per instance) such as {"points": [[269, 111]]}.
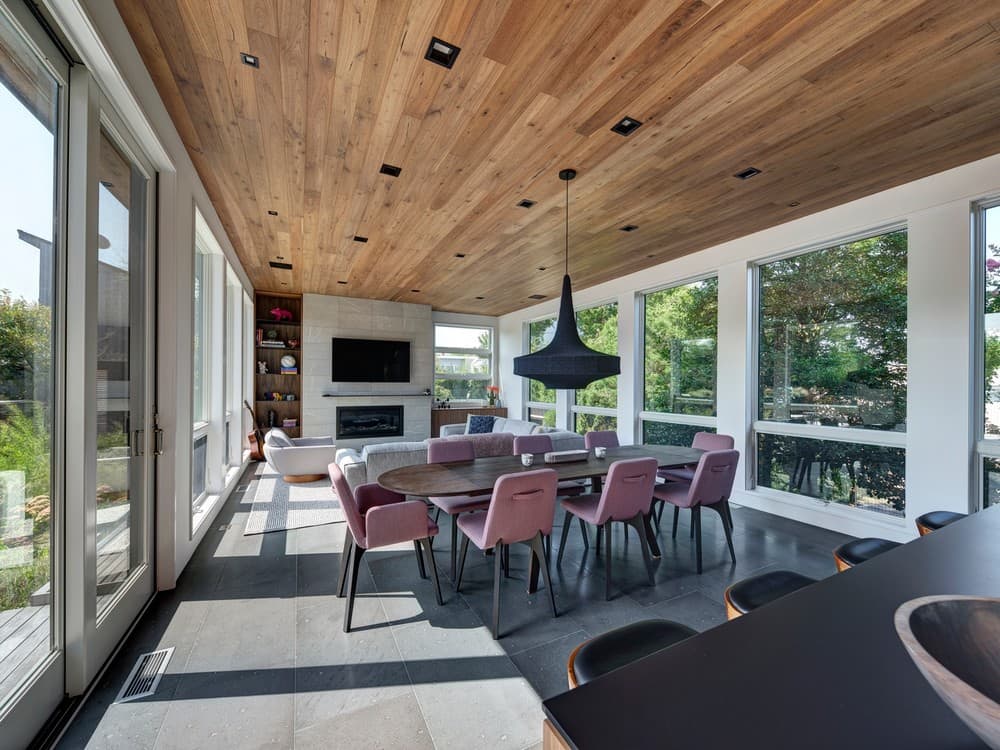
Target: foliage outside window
{"points": [[991, 324], [463, 362], [200, 383], [832, 352], [598, 328], [670, 433], [540, 333]]}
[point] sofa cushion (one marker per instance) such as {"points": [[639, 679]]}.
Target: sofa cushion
{"points": [[278, 438], [477, 424], [489, 444], [513, 426]]}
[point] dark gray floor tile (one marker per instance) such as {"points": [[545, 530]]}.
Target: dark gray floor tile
{"points": [[544, 667], [694, 610]]}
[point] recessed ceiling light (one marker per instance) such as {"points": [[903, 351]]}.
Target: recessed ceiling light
{"points": [[536, 296], [284, 283], [359, 238], [252, 60], [272, 213], [341, 282], [415, 291], [747, 173], [441, 52], [650, 256], [626, 126], [390, 170], [628, 228], [459, 255], [480, 297], [279, 257], [793, 204], [526, 203], [541, 268], [281, 266]]}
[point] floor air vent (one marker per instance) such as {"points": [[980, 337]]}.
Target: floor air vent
{"points": [[145, 675]]}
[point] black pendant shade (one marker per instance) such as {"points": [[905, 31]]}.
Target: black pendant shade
{"points": [[566, 362]]}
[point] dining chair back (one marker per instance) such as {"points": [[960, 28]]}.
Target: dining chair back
{"points": [[522, 505], [441, 450], [355, 520], [532, 444], [628, 490], [712, 441], [601, 439], [713, 479]]}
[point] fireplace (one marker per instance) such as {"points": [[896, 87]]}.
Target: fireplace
{"points": [[357, 422]]}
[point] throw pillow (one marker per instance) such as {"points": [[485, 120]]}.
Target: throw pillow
{"points": [[478, 424]]}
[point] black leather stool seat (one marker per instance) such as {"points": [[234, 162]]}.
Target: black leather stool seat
{"points": [[938, 519], [624, 645], [756, 591], [860, 550]]}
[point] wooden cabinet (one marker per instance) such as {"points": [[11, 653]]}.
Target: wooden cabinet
{"points": [[458, 416], [287, 332]]}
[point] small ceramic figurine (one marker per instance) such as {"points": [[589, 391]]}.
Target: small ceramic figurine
{"points": [[290, 397], [281, 314], [276, 396], [293, 343], [262, 367]]}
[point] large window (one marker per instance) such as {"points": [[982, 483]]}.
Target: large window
{"points": [[988, 246], [463, 362], [540, 405], [596, 406], [831, 373], [679, 362]]}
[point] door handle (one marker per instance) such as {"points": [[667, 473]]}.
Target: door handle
{"points": [[137, 447], [157, 442]]}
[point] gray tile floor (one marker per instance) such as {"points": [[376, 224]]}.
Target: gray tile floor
{"points": [[260, 658]]}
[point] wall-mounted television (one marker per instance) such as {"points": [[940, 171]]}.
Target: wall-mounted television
{"points": [[370, 361]]}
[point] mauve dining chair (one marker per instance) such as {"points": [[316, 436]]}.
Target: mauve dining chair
{"points": [[706, 441], [710, 487], [377, 517], [625, 498], [600, 439], [521, 511], [442, 451], [569, 488]]}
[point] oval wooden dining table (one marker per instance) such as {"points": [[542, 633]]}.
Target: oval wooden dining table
{"points": [[479, 476]]}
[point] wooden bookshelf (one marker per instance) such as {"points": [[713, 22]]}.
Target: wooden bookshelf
{"points": [[289, 332]]}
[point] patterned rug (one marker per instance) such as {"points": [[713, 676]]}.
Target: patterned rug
{"points": [[278, 505]]}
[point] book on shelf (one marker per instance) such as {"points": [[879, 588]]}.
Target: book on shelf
{"points": [[289, 423], [289, 370], [259, 336], [272, 344]]}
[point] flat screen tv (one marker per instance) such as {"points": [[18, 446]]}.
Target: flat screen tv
{"points": [[370, 361]]}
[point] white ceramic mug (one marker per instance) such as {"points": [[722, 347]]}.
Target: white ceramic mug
{"points": [[600, 451], [527, 459]]}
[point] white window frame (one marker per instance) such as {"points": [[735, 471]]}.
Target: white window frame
{"points": [[985, 448], [574, 408], [526, 382], [488, 354], [854, 435]]}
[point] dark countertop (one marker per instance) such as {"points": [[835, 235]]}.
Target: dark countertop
{"points": [[821, 668]]}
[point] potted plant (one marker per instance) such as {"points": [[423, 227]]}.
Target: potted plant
{"points": [[492, 392]]}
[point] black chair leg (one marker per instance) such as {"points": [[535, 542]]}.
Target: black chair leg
{"points": [[727, 526], [677, 515], [567, 520], [696, 531], [548, 547], [607, 558], [647, 525], [345, 562], [691, 530], [420, 559], [437, 516], [461, 562], [639, 523], [506, 561], [454, 544], [497, 583], [539, 553], [586, 541], [428, 548], [597, 545], [352, 585]]}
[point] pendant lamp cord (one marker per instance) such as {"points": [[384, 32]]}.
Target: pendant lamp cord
{"points": [[567, 227]]}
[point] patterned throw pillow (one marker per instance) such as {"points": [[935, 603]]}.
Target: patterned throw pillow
{"points": [[478, 424]]}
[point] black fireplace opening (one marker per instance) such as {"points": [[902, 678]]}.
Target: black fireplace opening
{"points": [[369, 421]]}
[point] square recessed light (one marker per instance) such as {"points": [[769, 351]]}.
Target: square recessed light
{"points": [[415, 291], [281, 266], [536, 296], [390, 170], [626, 126], [526, 203], [793, 204], [252, 60], [541, 268], [272, 213], [747, 173], [480, 297], [628, 228], [359, 238], [441, 52], [459, 255], [341, 282]]}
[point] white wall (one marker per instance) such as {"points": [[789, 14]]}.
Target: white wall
{"points": [[936, 211]]}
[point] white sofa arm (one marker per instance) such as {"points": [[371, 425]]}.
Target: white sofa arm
{"points": [[452, 429]]}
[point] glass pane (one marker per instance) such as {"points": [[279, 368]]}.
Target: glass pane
{"points": [[991, 324], [448, 363], [121, 203], [546, 417], [865, 476], [670, 433], [199, 469], [29, 98], [832, 336], [583, 423], [539, 335], [680, 349], [460, 390], [598, 328], [460, 337], [991, 482], [200, 406]]}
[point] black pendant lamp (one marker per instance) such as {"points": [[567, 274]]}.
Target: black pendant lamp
{"points": [[566, 362]]}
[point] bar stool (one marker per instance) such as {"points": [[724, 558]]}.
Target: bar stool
{"points": [[937, 519], [622, 646], [756, 591], [858, 551]]}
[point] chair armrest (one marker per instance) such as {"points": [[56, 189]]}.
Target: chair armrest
{"points": [[310, 441], [356, 473], [372, 495], [452, 429], [398, 522]]}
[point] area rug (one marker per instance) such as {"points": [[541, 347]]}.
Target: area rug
{"points": [[278, 505]]}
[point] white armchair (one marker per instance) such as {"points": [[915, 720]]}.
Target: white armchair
{"points": [[298, 459]]}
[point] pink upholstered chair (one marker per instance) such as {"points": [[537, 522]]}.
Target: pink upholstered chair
{"points": [[521, 511], [377, 517], [623, 499], [706, 441], [602, 438], [447, 450], [710, 487]]}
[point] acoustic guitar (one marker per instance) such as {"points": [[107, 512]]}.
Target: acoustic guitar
{"points": [[255, 438]]}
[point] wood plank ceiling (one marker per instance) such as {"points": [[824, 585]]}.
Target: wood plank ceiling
{"points": [[831, 100]]}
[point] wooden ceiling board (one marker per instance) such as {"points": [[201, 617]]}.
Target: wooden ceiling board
{"points": [[832, 100]]}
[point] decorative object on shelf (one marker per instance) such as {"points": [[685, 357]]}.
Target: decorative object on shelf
{"points": [[279, 314], [272, 419], [268, 396], [289, 366], [272, 334], [492, 391], [293, 343], [286, 423], [276, 397], [566, 362], [290, 397], [261, 367]]}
